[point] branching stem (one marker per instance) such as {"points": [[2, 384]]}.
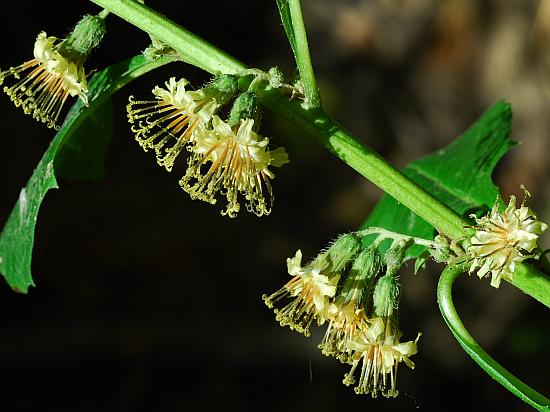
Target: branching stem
{"points": [[316, 123]]}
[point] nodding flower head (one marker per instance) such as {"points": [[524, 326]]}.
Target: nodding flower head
{"points": [[310, 289], [313, 285], [347, 312], [44, 83], [377, 352], [167, 123], [232, 161], [502, 239]]}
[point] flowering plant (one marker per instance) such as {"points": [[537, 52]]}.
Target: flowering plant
{"points": [[353, 286]]}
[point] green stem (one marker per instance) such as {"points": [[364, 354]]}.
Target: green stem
{"points": [[298, 41], [319, 125], [190, 47], [368, 163], [388, 234], [472, 348]]}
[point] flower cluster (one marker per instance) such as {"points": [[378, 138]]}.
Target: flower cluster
{"points": [[502, 239], [344, 287], [44, 83], [225, 157]]}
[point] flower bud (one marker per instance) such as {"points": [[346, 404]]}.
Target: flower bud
{"points": [[361, 276], [386, 296], [245, 107], [86, 36], [340, 252], [395, 255]]}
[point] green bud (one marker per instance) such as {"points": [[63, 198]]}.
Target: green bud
{"points": [[342, 251], [386, 296], [394, 256], [245, 107], [366, 266], [157, 49], [222, 88], [86, 36], [276, 78], [362, 274], [442, 251]]}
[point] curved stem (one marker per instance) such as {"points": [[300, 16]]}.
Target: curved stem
{"points": [[468, 343]]}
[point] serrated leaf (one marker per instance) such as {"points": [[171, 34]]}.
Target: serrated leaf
{"points": [[17, 237], [459, 175]]}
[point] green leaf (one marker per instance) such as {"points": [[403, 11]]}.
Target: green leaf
{"points": [[83, 159], [17, 237], [459, 175]]}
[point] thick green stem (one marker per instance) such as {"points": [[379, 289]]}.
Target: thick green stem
{"points": [[472, 348], [319, 125]]}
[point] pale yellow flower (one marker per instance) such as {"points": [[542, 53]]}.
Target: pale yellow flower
{"points": [[502, 239], [45, 82], [346, 322], [377, 352], [310, 291], [232, 161], [167, 124]]}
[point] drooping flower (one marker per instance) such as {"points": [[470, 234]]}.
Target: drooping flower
{"points": [[502, 239], [313, 285], [377, 352], [309, 290], [168, 123], [232, 161], [45, 82], [346, 313]]}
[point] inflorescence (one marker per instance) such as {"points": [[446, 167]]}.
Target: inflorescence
{"points": [[355, 288], [226, 157], [504, 238], [356, 291]]}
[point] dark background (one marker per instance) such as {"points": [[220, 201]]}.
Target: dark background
{"points": [[148, 301]]}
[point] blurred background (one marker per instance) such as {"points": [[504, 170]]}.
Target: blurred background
{"points": [[148, 301]]}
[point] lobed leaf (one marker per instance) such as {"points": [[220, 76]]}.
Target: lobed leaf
{"points": [[459, 175]]}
